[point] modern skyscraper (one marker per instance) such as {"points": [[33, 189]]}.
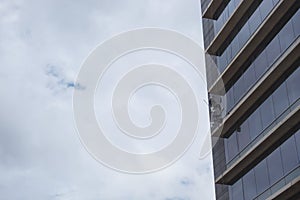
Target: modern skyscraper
{"points": [[256, 47]]}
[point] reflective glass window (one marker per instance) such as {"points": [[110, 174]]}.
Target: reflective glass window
{"points": [[293, 85], [267, 112], [222, 62], [239, 89], [296, 24], [254, 21], [273, 50], [232, 147], [230, 99], [237, 190], [244, 35], [280, 99], [244, 135], [289, 155], [237, 2], [255, 125], [286, 36], [261, 176], [231, 7], [249, 185], [249, 78], [275, 166], [265, 7], [297, 137], [234, 48], [261, 64]]}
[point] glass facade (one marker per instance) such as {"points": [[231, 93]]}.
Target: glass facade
{"points": [[265, 60], [282, 163], [245, 33], [273, 108]]}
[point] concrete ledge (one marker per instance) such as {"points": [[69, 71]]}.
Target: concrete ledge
{"points": [[266, 145], [290, 191], [270, 27], [271, 80], [231, 28], [215, 8]]}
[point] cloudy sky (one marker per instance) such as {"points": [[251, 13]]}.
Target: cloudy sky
{"points": [[42, 46]]}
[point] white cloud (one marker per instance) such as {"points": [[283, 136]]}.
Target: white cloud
{"points": [[42, 45]]}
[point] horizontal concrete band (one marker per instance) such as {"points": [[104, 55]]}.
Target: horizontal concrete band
{"points": [[270, 27], [231, 28], [288, 192], [215, 8], [266, 145], [271, 80]]}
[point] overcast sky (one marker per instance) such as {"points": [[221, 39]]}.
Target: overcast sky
{"points": [[42, 46]]}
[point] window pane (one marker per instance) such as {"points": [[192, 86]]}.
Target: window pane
{"points": [[293, 83], [275, 166], [235, 47], [237, 2], [244, 34], [296, 23], [244, 135], [249, 185], [261, 176], [267, 112], [239, 89], [254, 21], [280, 99], [222, 62], [232, 147], [289, 155], [261, 64], [265, 7], [237, 190], [230, 99], [249, 77], [273, 50], [255, 125], [286, 36], [297, 136]]}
